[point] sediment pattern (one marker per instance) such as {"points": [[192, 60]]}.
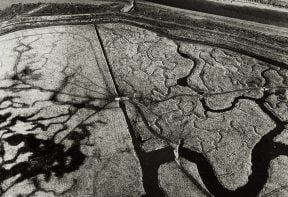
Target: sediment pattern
{"points": [[118, 110]]}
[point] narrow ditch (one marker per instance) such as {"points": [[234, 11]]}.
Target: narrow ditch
{"points": [[183, 81], [263, 152], [149, 161], [233, 104]]}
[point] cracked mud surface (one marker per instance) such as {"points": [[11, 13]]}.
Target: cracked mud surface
{"points": [[219, 103], [63, 133]]}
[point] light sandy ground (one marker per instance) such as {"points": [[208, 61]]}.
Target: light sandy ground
{"points": [[60, 52]]}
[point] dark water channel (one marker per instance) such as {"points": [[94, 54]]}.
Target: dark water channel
{"points": [[262, 15]]}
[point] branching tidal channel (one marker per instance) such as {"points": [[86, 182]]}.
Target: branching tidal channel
{"points": [[45, 153], [50, 157]]}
